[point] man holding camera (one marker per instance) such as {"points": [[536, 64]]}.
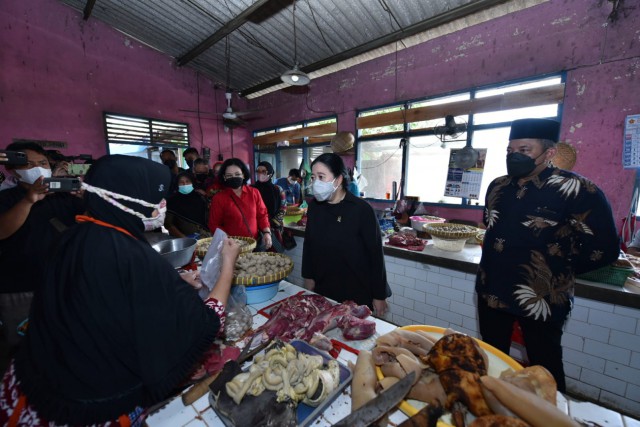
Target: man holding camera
{"points": [[30, 221]]}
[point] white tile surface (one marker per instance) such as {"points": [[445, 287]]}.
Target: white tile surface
{"points": [[201, 414]]}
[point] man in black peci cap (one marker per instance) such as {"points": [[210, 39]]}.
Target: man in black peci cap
{"points": [[544, 226]]}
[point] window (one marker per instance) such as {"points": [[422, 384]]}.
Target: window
{"points": [[412, 140], [144, 137], [287, 147]]}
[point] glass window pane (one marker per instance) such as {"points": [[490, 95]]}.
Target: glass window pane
{"points": [[428, 167], [381, 164], [315, 151], [517, 87], [134, 150], [495, 141], [539, 111], [289, 159], [381, 129], [438, 101]]}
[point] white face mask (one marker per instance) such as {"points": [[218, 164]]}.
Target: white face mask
{"points": [[156, 221], [263, 177], [323, 190], [29, 176], [150, 223]]}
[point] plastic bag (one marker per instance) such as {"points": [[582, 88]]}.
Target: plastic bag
{"points": [[211, 264], [239, 319]]}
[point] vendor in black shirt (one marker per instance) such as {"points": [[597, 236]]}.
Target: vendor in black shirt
{"points": [[26, 235], [342, 257]]}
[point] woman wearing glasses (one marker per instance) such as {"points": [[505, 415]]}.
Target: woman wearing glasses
{"points": [[238, 209]]}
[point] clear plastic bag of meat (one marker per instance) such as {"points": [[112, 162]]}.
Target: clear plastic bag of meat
{"points": [[211, 264], [239, 319]]}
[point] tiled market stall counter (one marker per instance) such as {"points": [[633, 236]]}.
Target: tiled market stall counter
{"points": [[601, 340], [200, 413]]}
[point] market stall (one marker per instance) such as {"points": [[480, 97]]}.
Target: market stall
{"points": [[200, 413]]}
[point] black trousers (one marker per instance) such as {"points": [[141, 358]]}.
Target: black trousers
{"points": [[543, 340]]}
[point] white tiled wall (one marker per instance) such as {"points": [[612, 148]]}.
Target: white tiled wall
{"points": [[601, 341]]}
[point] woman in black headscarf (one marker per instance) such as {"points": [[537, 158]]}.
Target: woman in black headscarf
{"points": [[187, 210], [274, 198], [114, 328]]}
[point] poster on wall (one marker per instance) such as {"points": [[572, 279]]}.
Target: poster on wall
{"points": [[631, 142], [465, 181]]}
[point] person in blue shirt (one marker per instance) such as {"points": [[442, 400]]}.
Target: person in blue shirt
{"points": [[291, 186], [544, 226]]}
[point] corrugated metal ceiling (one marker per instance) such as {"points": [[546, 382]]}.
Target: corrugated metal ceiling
{"points": [[260, 44]]}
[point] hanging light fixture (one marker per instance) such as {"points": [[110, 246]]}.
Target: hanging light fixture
{"points": [[295, 77]]}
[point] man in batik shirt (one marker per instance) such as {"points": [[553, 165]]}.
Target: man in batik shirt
{"points": [[544, 226]]}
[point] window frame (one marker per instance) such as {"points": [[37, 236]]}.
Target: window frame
{"points": [[153, 145], [305, 145], [471, 128]]}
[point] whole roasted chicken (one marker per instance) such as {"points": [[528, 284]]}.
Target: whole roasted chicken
{"points": [[459, 364]]}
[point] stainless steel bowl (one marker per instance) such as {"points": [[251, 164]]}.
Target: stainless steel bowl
{"points": [[177, 251]]}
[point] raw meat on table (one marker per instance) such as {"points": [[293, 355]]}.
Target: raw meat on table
{"points": [[354, 328], [301, 316]]}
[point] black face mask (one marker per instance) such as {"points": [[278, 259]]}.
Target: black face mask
{"points": [[519, 165], [234, 182], [202, 176], [190, 163], [170, 163]]}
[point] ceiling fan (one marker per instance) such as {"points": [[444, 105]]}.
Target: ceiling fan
{"points": [[231, 117]]}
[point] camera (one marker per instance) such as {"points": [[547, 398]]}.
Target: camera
{"points": [[13, 158], [63, 184], [57, 156]]}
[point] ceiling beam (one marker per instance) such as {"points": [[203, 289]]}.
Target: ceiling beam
{"points": [[87, 9], [444, 18], [227, 28]]}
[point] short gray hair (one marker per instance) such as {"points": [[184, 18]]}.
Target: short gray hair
{"points": [[547, 143]]}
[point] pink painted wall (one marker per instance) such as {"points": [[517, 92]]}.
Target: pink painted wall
{"points": [[59, 73], [602, 61]]}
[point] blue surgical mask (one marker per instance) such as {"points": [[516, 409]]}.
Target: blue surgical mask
{"points": [[185, 189]]}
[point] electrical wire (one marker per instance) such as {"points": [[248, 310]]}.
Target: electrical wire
{"points": [[313, 16], [385, 161], [215, 102], [295, 39], [198, 108]]}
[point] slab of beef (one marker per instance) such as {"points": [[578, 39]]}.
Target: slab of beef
{"points": [[293, 314], [329, 318], [354, 328], [301, 316]]}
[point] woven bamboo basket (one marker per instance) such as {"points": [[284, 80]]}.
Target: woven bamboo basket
{"points": [[342, 141], [451, 231], [247, 244], [279, 272], [565, 157], [294, 210]]}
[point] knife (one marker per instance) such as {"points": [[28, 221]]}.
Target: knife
{"points": [[380, 405], [202, 387]]}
